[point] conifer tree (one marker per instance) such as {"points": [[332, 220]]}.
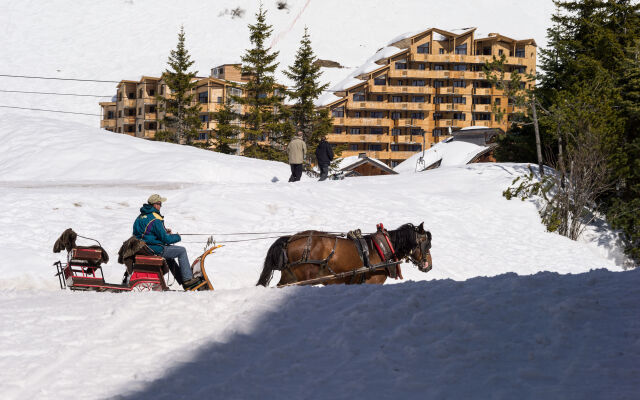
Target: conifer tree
{"points": [[182, 119], [265, 117], [306, 89], [226, 132]]}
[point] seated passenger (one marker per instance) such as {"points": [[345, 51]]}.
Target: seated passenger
{"points": [[149, 227]]}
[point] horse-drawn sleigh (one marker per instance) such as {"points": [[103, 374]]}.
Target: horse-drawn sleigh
{"points": [[304, 258]]}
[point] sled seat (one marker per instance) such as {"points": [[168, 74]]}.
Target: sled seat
{"points": [[91, 254], [148, 261]]}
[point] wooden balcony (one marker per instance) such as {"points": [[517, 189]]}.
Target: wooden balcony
{"points": [[401, 89], [408, 106], [467, 59], [444, 123], [406, 139], [481, 108], [410, 123], [380, 155], [453, 107], [108, 123], [401, 155], [128, 103], [382, 122], [481, 123], [408, 73], [129, 120], [482, 91], [366, 105]]}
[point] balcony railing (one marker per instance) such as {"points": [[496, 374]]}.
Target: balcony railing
{"points": [[401, 89], [482, 91], [470, 59], [481, 123], [408, 73], [401, 155], [108, 123], [128, 103], [384, 122], [481, 107]]}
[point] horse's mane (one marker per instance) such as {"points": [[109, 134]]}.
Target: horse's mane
{"points": [[403, 239]]}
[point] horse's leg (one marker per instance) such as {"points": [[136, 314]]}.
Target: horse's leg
{"points": [[376, 278]]}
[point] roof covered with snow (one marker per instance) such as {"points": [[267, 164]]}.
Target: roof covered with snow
{"points": [[451, 153]]}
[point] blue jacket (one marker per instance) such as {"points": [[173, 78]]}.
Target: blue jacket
{"points": [[149, 226]]}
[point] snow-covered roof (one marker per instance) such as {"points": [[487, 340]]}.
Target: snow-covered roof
{"points": [[348, 161], [368, 66], [403, 36], [451, 153], [468, 128], [326, 98]]}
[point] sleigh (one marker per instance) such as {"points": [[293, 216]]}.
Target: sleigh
{"points": [[83, 271]]}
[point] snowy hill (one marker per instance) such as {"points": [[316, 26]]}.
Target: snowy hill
{"points": [[125, 39], [509, 310]]}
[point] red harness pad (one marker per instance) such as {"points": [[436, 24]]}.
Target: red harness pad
{"points": [[79, 253], [155, 261]]}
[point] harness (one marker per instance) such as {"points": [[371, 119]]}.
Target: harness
{"points": [[380, 241]]}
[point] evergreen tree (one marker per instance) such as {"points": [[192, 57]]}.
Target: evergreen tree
{"points": [[182, 119], [226, 132], [306, 89], [265, 117], [597, 41]]}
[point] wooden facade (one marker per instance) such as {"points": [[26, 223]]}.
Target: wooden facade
{"points": [[432, 85]]}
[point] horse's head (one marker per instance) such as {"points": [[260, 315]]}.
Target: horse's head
{"points": [[420, 256]]}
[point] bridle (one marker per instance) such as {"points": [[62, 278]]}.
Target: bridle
{"points": [[424, 243]]}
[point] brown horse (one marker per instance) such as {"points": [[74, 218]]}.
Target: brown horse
{"points": [[313, 254]]}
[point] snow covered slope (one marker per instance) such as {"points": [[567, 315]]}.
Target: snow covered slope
{"points": [[483, 332], [125, 39]]}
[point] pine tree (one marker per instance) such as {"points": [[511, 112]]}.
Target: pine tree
{"points": [[314, 124], [226, 132], [182, 119], [265, 117]]}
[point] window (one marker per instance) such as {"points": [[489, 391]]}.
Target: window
{"points": [[481, 116], [395, 115], [395, 131], [139, 127], [353, 147], [110, 115], [395, 147], [520, 52], [423, 48], [417, 115], [139, 110], [394, 163], [379, 97], [401, 82], [219, 100], [202, 136], [481, 100], [132, 95], [459, 116], [460, 67], [415, 147], [357, 114], [418, 82], [459, 100], [497, 101], [437, 132], [338, 112], [375, 147], [381, 80], [354, 131], [418, 99], [438, 67], [161, 89], [262, 95], [376, 131], [437, 116], [203, 97], [119, 130], [458, 84], [500, 52], [337, 130], [376, 114], [438, 100], [438, 84], [396, 99], [358, 97], [461, 49], [402, 64], [140, 93], [421, 66], [152, 92], [441, 51], [204, 118], [120, 114]]}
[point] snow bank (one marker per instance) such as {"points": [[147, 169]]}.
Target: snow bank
{"points": [[540, 336]]}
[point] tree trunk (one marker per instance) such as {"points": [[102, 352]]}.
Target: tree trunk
{"points": [[537, 130]]}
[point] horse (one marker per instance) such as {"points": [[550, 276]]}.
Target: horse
{"points": [[311, 254]]}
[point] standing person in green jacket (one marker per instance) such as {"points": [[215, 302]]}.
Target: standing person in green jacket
{"points": [[149, 227], [297, 151]]}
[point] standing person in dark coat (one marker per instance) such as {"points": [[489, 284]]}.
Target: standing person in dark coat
{"points": [[324, 154], [297, 151]]}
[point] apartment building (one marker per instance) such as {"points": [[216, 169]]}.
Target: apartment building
{"points": [[136, 110], [420, 88]]}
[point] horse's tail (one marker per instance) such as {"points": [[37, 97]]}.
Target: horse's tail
{"points": [[276, 259]]}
